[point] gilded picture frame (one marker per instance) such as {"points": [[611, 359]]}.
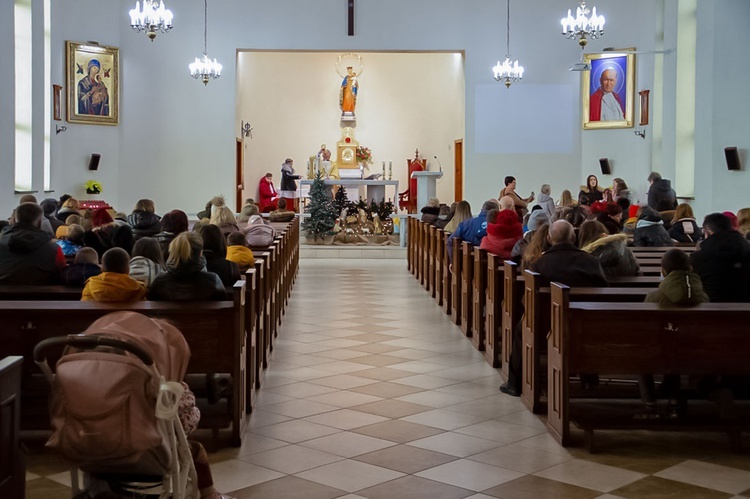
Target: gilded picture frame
{"points": [[93, 77], [607, 91]]}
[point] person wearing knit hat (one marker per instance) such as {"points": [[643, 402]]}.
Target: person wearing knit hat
{"points": [[502, 233], [49, 207], [732, 218], [536, 219]]}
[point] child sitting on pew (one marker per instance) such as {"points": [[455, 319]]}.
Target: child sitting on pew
{"points": [[85, 265], [72, 242], [238, 252], [114, 284], [680, 287]]}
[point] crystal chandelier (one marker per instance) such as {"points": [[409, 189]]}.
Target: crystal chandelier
{"points": [[582, 26], [508, 72], [154, 16], [204, 68]]}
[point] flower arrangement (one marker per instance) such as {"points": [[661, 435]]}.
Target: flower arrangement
{"points": [[93, 187], [364, 155]]}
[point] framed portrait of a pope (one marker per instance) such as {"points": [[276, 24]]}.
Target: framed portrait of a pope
{"points": [[607, 91], [93, 77]]}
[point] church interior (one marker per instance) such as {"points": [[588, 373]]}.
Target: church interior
{"points": [[372, 391]]}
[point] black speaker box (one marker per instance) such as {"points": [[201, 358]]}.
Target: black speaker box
{"points": [[94, 161], [733, 158], [606, 168]]}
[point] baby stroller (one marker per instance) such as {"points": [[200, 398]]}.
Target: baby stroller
{"points": [[113, 407]]}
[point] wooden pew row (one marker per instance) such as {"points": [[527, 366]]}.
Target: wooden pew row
{"points": [[13, 469], [215, 332], [536, 326], [708, 339]]}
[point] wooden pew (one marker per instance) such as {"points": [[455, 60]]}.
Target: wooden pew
{"points": [[447, 276], [215, 332], [494, 310], [512, 308], [39, 292], [536, 326], [12, 458], [467, 279], [708, 339], [439, 266], [251, 345], [456, 281], [479, 299]]}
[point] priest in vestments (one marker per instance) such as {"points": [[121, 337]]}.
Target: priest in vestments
{"points": [[605, 104]]}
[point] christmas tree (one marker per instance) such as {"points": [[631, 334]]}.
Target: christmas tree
{"points": [[341, 200], [322, 212]]}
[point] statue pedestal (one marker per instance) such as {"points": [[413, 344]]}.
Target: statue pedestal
{"points": [[426, 186]]}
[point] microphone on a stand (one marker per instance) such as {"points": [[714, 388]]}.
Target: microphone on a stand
{"points": [[439, 163]]}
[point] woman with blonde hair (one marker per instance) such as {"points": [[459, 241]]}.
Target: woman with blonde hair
{"points": [[185, 279], [225, 219], [566, 200], [463, 212], [69, 207], [743, 219], [537, 246], [684, 228]]}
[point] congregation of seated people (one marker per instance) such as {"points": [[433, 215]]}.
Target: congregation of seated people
{"points": [[124, 258], [588, 240]]}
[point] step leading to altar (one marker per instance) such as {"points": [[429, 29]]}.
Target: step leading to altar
{"points": [[310, 251]]}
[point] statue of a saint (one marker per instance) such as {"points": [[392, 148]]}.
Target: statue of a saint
{"points": [[348, 94]]}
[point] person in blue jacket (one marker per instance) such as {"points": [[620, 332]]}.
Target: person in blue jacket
{"points": [[473, 229]]}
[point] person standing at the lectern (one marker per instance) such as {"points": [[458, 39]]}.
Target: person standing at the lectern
{"points": [[288, 188]]}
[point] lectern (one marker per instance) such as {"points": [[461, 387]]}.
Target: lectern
{"points": [[426, 186]]}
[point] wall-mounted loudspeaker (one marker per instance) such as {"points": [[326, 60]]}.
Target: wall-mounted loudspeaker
{"points": [[94, 161], [606, 168], [733, 158]]}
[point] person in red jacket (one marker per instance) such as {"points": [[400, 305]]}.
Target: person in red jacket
{"points": [[268, 194], [502, 233]]}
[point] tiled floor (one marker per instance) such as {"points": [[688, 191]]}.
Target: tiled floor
{"points": [[372, 392]]}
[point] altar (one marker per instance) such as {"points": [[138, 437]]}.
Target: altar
{"points": [[373, 189]]}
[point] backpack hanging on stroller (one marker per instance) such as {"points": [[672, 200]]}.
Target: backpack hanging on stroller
{"points": [[114, 400]]}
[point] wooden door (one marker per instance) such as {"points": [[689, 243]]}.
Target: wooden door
{"points": [[458, 174], [239, 174]]}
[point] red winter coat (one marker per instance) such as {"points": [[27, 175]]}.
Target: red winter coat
{"points": [[268, 194], [503, 234]]}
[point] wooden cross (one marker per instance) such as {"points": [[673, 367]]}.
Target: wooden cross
{"points": [[350, 8]]}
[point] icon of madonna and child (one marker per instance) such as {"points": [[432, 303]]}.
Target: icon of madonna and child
{"points": [[93, 98]]}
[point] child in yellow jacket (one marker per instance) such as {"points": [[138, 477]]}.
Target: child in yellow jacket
{"points": [[238, 252], [114, 284]]}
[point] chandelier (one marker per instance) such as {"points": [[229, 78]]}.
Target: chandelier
{"points": [[508, 72], [154, 16], [582, 26], [204, 68]]}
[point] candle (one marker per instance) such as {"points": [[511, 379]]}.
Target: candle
{"points": [[390, 170], [383, 170]]}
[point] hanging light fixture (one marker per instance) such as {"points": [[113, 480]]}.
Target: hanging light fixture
{"points": [[154, 16], [508, 72], [204, 68], [582, 26]]}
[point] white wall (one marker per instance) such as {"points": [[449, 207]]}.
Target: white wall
{"points": [[405, 101], [722, 105], [175, 141]]}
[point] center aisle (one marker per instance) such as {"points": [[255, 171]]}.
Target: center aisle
{"points": [[373, 392]]}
